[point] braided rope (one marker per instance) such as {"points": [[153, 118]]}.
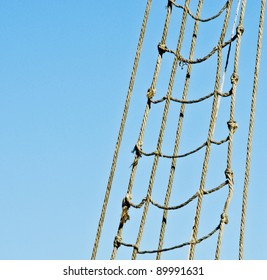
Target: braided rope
{"points": [[250, 132]]}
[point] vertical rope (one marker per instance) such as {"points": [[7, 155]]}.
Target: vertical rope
{"points": [[121, 130], [232, 128], [178, 133], [210, 133], [151, 92], [161, 133], [250, 131], [228, 54]]}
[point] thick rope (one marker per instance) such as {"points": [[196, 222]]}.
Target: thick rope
{"points": [[232, 125], [250, 132], [150, 94], [228, 53], [162, 130], [157, 154], [121, 130], [210, 133]]}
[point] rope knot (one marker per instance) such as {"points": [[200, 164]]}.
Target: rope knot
{"points": [[138, 149], [170, 2], [126, 201], [117, 241], [158, 153], [232, 126], [240, 30], [234, 78], [150, 93], [186, 9], [229, 174], [162, 48], [224, 218]]}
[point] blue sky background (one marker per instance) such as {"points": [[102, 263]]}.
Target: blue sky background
{"points": [[65, 69]]}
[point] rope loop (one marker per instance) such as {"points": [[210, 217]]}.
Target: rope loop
{"points": [[158, 153], [232, 126], [186, 9], [126, 200]]}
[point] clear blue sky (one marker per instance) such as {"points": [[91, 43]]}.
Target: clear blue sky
{"points": [[64, 74]]}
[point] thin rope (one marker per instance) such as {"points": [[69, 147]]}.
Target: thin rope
{"points": [[193, 101], [170, 248], [166, 207], [250, 131], [197, 18], [121, 130]]}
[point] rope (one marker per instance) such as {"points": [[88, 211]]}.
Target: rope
{"points": [[232, 125], [228, 53], [210, 134], [199, 60], [121, 130], [226, 94], [161, 133], [140, 152], [177, 141], [151, 92], [170, 248], [157, 154], [250, 132], [197, 18], [128, 201]]}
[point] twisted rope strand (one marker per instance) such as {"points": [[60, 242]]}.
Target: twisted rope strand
{"points": [[178, 135], [251, 128], [142, 130], [161, 133], [231, 125], [210, 134], [121, 130]]}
